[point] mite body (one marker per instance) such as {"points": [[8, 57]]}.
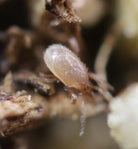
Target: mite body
{"points": [[69, 69], [66, 66]]}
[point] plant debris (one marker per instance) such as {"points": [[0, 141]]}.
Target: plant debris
{"points": [[36, 87], [21, 110], [63, 9], [29, 93]]}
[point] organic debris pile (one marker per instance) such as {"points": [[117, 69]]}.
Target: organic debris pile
{"points": [[72, 83]]}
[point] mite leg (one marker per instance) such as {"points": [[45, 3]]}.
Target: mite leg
{"points": [[72, 94], [103, 93], [103, 84]]}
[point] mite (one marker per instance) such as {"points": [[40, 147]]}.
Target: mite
{"points": [[69, 69]]}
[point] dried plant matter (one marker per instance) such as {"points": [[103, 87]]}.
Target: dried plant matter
{"points": [[17, 41], [123, 120], [28, 95], [17, 109], [106, 49], [66, 33], [21, 111], [38, 84], [36, 10], [62, 9]]}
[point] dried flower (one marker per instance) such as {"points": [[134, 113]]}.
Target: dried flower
{"points": [[123, 118]]}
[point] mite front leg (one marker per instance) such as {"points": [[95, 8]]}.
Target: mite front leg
{"points": [[102, 83], [102, 89]]}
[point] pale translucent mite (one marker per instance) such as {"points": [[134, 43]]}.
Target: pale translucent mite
{"points": [[66, 66], [69, 69]]}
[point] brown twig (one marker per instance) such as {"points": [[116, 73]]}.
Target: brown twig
{"points": [[21, 111]]}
